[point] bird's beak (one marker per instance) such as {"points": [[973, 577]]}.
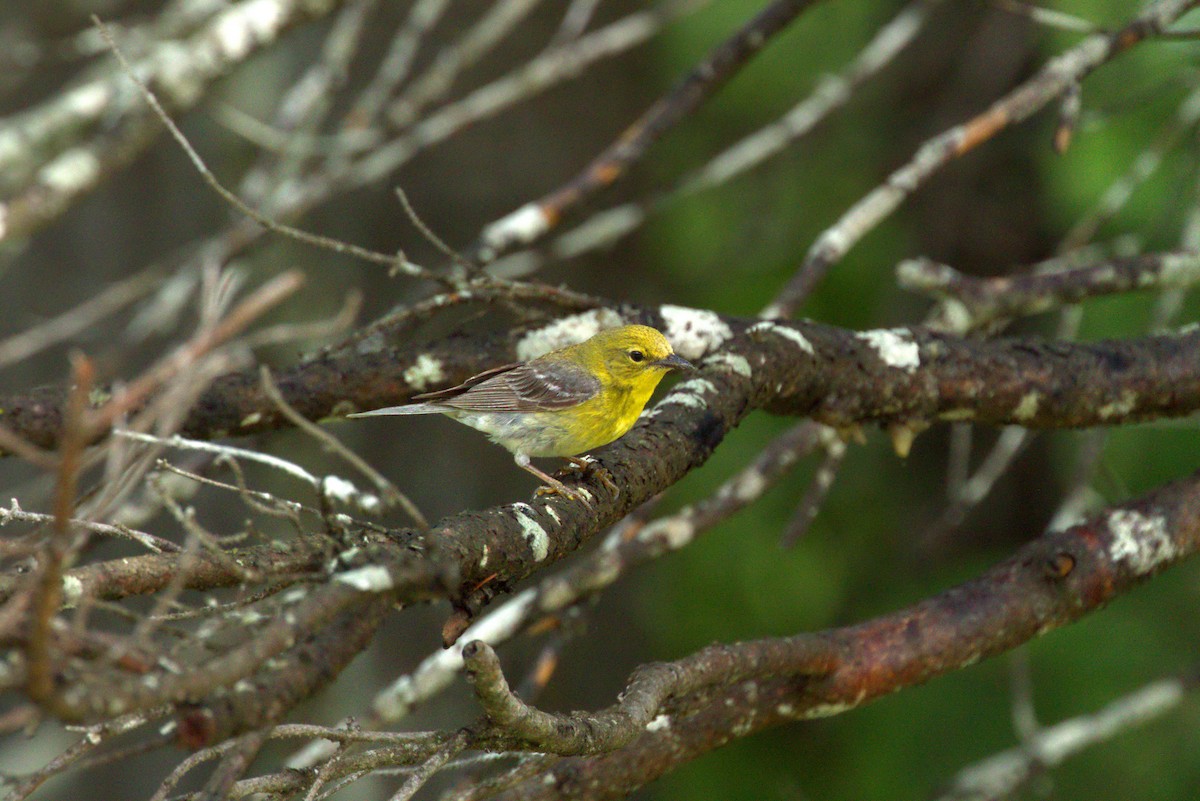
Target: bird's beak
{"points": [[674, 362]]}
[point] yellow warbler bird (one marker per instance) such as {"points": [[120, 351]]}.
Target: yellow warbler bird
{"points": [[564, 403]]}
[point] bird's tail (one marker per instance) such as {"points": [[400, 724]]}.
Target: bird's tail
{"points": [[411, 408]]}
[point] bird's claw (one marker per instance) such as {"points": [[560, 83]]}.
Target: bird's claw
{"points": [[591, 468], [556, 487]]}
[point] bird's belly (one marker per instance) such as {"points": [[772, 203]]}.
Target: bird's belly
{"points": [[542, 433]]}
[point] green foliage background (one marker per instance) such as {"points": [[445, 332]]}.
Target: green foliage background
{"points": [[732, 248]]}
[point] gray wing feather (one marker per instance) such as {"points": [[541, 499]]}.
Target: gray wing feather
{"points": [[412, 408], [528, 387]]}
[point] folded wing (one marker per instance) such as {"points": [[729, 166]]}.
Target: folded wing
{"points": [[527, 387]]}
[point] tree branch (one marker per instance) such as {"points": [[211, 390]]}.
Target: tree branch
{"points": [[672, 713]]}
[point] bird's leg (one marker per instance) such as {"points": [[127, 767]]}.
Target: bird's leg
{"points": [[553, 485], [590, 467]]}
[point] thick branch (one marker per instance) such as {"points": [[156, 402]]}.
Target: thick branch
{"points": [[292, 677], [834, 375], [747, 687]]}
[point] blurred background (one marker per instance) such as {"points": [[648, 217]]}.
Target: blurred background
{"points": [[883, 538]]}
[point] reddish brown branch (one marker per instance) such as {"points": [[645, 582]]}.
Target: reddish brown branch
{"points": [[47, 592], [531, 222], [747, 687]]}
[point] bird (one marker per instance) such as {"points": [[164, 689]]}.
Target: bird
{"points": [[562, 404]]}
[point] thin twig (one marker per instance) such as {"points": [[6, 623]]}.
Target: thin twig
{"points": [[1056, 77], [70, 323], [395, 262], [387, 489], [533, 220], [40, 683], [430, 766]]}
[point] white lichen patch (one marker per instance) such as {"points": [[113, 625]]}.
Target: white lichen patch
{"points": [[675, 532], [1120, 407], [895, 347], [519, 227], [693, 332], [1027, 408], [660, 723], [372, 578], [695, 386], [790, 334], [338, 488], [425, 372], [956, 317], [687, 393], [567, 331], [827, 710], [1140, 541], [749, 486], [254, 23], [483, 560], [535, 536], [743, 726], [252, 419], [90, 99], [71, 171], [345, 556], [72, 591], [731, 362], [682, 399]]}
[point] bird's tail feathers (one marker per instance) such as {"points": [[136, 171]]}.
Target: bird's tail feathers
{"points": [[411, 408]]}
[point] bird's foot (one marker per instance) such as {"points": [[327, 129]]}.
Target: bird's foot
{"points": [[589, 467], [555, 487]]}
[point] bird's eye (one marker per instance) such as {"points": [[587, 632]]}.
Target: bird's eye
{"points": [[636, 355]]}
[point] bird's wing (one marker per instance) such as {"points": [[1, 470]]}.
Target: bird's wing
{"points": [[528, 387]]}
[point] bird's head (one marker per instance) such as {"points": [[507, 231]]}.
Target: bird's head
{"points": [[633, 356]]}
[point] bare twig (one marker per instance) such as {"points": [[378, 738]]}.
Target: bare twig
{"points": [[395, 262], [1005, 773], [71, 323], [40, 682], [430, 766], [833, 91], [969, 303], [390, 492], [1055, 78], [535, 219]]}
